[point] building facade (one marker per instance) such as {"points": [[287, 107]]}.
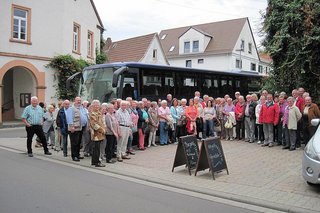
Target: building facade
{"points": [[223, 46], [32, 33]]}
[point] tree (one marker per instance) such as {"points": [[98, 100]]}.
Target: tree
{"points": [[292, 29], [66, 66]]}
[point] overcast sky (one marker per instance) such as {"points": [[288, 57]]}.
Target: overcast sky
{"points": [[130, 18]]}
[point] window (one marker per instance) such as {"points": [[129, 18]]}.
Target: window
{"points": [[195, 46], [200, 61], [188, 63], [242, 45], [76, 38], [187, 47], [154, 54], [250, 48], [260, 69], [163, 36], [253, 67], [171, 48], [21, 24], [156, 83], [238, 63], [90, 44]]}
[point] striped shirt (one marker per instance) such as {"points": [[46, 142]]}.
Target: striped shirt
{"points": [[124, 118], [33, 115]]}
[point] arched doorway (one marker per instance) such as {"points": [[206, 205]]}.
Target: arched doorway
{"points": [[19, 80], [19, 85]]}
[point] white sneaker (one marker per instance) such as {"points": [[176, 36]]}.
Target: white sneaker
{"points": [[149, 146], [259, 142], [154, 144]]}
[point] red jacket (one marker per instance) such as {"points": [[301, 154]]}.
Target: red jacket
{"points": [[300, 104], [269, 115], [239, 111]]}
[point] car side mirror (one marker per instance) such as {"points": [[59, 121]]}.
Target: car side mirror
{"points": [[315, 122]]}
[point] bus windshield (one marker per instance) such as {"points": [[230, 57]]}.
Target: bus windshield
{"points": [[97, 84]]}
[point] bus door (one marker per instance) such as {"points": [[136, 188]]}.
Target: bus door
{"points": [[129, 85]]}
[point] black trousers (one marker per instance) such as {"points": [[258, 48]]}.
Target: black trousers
{"points": [[111, 142], [240, 131], [35, 129], [181, 131], [95, 152], [75, 140], [299, 133]]}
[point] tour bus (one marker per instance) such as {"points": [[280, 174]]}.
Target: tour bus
{"points": [[139, 80]]}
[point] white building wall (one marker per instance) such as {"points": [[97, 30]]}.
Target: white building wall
{"points": [[193, 35], [160, 57], [51, 27], [246, 57], [212, 62]]}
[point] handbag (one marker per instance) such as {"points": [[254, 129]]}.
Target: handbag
{"points": [[182, 121], [228, 125], [217, 126]]}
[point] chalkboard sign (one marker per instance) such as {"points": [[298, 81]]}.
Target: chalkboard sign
{"points": [[187, 153], [211, 156]]}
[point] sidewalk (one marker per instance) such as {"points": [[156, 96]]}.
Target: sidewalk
{"points": [[263, 176]]}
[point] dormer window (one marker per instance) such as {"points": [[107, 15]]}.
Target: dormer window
{"points": [[186, 46], [163, 36], [195, 46], [171, 48]]}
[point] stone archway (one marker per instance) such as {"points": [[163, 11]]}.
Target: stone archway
{"points": [[18, 71]]}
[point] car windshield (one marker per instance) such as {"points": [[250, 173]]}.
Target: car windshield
{"points": [[97, 84]]}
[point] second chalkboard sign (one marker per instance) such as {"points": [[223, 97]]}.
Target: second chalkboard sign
{"points": [[211, 156]]}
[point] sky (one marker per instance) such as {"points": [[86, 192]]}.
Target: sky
{"points": [[130, 18]]}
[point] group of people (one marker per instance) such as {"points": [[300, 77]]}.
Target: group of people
{"points": [[107, 131]]}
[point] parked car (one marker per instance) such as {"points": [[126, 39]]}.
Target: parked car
{"points": [[311, 157]]}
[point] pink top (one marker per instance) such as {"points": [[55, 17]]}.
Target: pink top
{"points": [[163, 112]]}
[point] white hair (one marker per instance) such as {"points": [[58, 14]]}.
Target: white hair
{"points": [[290, 99], [123, 102], [164, 102], [184, 100], [95, 102], [105, 105], [34, 98]]}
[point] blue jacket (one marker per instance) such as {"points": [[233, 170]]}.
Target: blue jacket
{"points": [[62, 121]]}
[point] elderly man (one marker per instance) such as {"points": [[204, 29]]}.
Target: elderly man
{"points": [[63, 126], [125, 124], [32, 117], [77, 120], [169, 100], [311, 111], [250, 118]]}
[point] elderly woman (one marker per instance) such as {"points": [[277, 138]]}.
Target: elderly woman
{"points": [[132, 109], [103, 144], [291, 117], [142, 122], [182, 121], [48, 128], [208, 117], [199, 119], [153, 123], [163, 113], [228, 112], [192, 115], [112, 132], [176, 116], [97, 132], [220, 103], [310, 112]]}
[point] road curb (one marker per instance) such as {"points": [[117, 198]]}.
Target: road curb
{"points": [[218, 194]]}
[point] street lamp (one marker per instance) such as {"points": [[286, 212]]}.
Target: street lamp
{"points": [[240, 64]]}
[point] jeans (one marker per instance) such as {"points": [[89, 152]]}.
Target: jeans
{"points": [[207, 129], [35, 129], [57, 138], [103, 146], [260, 132], [50, 135], [163, 133], [249, 126], [64, 141]]}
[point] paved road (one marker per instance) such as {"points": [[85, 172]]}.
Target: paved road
{"points": [[34, 185], [13, 133]]}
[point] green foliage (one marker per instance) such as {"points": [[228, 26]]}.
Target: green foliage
{"points": [[66, 66], [101, 57], [292, 39]]}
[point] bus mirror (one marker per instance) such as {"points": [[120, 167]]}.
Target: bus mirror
{"points": [[68, 83], [116, 75]]}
